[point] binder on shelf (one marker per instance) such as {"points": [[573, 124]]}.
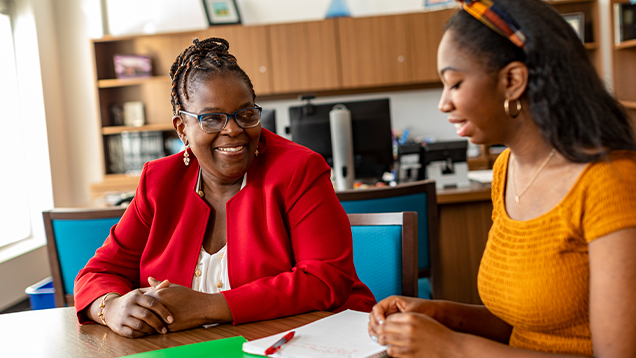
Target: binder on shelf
{"points": [[115, 154], [129, 151], [624, 22]]}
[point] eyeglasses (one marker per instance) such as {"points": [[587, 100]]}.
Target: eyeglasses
{"points": [[215, 122]]}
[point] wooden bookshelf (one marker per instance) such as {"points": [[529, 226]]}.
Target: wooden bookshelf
{"points": [[589, 8], [624, 68], [146, 128], [112, 83], [629, 44]]}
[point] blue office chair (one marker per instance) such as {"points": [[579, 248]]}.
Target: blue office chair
{"points": [[420, 197], [72, 236], [385, 252]]}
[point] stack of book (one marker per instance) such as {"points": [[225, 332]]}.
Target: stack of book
{"points": [[129, 151]]}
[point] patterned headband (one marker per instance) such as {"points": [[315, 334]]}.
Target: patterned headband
{"points": [[496, 18]]}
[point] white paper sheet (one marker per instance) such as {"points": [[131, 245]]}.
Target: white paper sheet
{"points": [[343, 335]]}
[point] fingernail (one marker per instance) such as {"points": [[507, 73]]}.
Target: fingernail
{"points": [[164, 330], [375, 339], [170, 319], [380, 322]]}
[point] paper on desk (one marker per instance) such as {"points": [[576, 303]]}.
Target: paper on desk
{"points": [[343, 335], [481, 176]]}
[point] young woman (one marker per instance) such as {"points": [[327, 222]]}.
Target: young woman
{"points": [[243, 225], [557, 276]]}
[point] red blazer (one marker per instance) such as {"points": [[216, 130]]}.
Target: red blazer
{"points": [[289, 246]]}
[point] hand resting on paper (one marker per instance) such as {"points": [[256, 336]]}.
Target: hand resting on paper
{"points": [[396, 304], [190, 308], [409, 326], [415, 335]]}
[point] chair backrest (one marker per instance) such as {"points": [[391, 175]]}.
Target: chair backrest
{"points": [[72, 236], [385, 252], [418, 196]]}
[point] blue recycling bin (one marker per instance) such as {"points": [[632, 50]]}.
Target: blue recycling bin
{"points": [[41, 294]]}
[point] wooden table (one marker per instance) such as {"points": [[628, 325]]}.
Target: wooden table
{"points": [[55, 333], [465, 217]]}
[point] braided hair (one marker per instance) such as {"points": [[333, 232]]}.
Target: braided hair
{"points": [[199, 61]]}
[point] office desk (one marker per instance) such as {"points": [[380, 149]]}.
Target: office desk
{"points": [[55, 333], [465, 217]]}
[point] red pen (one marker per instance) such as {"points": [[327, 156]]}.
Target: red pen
{"points": [[276, 346]]}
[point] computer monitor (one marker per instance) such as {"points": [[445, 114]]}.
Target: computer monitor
{"points": [[268, 119], [371, 132]]}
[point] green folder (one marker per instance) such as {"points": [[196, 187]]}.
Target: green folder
{"points": [[228, 347]]}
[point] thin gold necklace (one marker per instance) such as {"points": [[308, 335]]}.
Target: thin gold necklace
{"points": [[534, 176]]}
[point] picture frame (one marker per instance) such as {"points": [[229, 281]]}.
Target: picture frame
{"points": [[221, 12], [132, 66], [577, 21]]}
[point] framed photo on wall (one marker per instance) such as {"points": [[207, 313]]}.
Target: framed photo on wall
{"points": [[577, 21], [222, 12]]}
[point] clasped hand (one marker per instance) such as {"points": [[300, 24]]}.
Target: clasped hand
{"points": [[409, 328], [160, 308]]}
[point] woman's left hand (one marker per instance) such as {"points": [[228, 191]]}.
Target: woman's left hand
{"points": [[416, 335], [190, 308]]}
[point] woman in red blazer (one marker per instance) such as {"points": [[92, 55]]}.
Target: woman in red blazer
{"points": [[243, 226]]}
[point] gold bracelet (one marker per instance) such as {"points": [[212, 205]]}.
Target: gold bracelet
{"points": [[102, 305]]}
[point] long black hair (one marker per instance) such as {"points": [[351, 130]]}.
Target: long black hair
{"points": [[568, 101]]}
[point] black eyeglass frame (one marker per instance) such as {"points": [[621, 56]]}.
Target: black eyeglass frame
{"points": [[228, 116]]}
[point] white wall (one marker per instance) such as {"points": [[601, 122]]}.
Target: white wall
{"points": [[74, 23], [151, 16], [18, 274]]}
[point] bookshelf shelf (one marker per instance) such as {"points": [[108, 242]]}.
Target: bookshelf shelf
{"points": [[112, 83], [591, 45], [626, 44], [146, 128], [629, 104], [559, 2]]}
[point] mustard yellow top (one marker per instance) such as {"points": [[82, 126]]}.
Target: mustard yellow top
{"points": [[535, 274]]}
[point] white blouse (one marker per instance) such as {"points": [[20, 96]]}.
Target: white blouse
{"points": [[212, 271]]}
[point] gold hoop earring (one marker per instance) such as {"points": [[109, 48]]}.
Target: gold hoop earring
{"points": [[256, 154], [507, 108], [186, 156]]}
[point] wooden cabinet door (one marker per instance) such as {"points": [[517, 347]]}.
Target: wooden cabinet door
{"points": [[425, 33], [249, 44], [304, 56], [374, 51]]}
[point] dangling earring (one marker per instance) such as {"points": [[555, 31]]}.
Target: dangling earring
{"points": [[256, 152], [507, 108], [186, 156]]}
